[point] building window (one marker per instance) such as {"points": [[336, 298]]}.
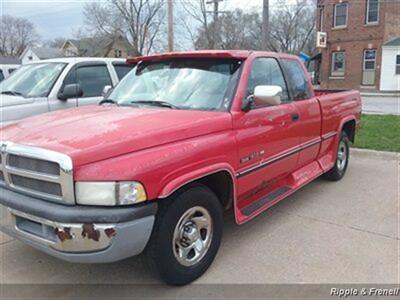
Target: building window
{"points": [[369, 59], [372, 11], [338, 63], [398, 64], [117, 53], [340, 15]]}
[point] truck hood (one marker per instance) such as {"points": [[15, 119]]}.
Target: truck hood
{"points": [[93, 133], [9, 100]]}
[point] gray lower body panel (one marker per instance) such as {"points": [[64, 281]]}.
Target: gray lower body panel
{"points": [[56, 230]]}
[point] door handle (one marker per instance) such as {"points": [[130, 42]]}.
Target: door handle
{"points": [[295, 117]]}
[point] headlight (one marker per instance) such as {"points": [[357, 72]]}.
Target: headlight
{"points": [[109, 193]]}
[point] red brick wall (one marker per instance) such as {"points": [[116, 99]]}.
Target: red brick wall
{"points": [[354, 39], [392, 19]]}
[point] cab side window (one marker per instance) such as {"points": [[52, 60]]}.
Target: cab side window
{"points": [[297, 79], [266, 71], [122, 69], [92, 79]]}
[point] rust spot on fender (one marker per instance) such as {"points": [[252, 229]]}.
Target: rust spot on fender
{"points": [[90, 232], [64, 234], [110, 232]]}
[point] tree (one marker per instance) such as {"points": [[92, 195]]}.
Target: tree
{"points": [[15, 35], [139, 20], [54, 43], [198, 25], [292, 26], [235, 32]]}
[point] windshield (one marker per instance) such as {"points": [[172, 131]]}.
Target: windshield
{"points": [[197, 84], [33, 80]]}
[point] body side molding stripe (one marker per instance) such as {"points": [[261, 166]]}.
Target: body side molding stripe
{"points": [[287, 154]]}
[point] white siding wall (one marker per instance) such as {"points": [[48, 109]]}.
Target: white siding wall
{"points": [[390, 81], [27, 55]]}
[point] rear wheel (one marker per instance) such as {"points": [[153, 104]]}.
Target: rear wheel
{"points": [[342, 159], [186, 236]]}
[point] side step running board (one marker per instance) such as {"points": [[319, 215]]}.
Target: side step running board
{"points": [[248, 210]]}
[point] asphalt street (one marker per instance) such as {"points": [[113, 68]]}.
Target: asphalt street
{"points": [[328, 232], [381, 105]]}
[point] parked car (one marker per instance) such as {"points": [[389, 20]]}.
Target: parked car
{"points": [[54, 84], [182, 138], [6, 70]]}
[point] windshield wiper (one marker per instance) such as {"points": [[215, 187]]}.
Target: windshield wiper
{"points": [[12, 93], [156, 103]]}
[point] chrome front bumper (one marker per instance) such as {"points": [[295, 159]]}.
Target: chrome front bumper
{"points": [[91, 241]]}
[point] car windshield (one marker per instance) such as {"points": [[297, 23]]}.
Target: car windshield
{"points": [[193, 84], [33, 80]]}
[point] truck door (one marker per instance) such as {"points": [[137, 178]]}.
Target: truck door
{"points": [[92, 78], [266, 136], [308, 108]]}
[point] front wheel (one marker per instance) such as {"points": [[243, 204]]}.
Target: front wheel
{"points": [[186, 236], [342, 159]]}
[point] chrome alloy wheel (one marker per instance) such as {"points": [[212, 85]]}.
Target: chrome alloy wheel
{"points": [[341, 156], [192, 236]]}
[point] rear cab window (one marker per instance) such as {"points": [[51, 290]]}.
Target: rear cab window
{"points": [[297, 79]]}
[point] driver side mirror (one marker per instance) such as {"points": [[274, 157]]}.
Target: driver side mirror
{"points": [[71, 91], [269, 95]]}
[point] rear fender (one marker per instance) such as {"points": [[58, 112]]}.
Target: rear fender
{"points": [[343, 122]]}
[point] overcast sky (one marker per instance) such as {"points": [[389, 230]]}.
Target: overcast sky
{"points": [[60, 18]]}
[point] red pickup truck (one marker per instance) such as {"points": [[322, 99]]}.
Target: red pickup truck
{"points": [[181, 139]]}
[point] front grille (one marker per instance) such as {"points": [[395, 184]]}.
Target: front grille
{"points": [[41, 173], [40, 186], [32, 164]]}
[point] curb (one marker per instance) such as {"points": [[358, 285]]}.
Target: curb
{"points": [[382, 154]]}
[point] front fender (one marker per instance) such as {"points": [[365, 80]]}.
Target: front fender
{"points": [[180, 181], [166, 168]]}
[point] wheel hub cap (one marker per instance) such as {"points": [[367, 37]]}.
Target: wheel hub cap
{"points": [[341, 156], [192, 236]]}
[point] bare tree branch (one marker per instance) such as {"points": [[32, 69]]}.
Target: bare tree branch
{"points": [[15, 35]]}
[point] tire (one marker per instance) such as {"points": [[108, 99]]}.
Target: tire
{"points": [[342, 159], [182, 221]]}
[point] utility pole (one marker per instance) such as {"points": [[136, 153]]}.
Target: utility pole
{"points": [[215, 20], [170, 25], [265, 25]]}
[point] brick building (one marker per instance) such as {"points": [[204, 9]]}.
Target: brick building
{"points": [[356, 31]]}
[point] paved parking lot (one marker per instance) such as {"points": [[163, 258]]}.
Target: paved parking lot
{"points": [[345, 232]]}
